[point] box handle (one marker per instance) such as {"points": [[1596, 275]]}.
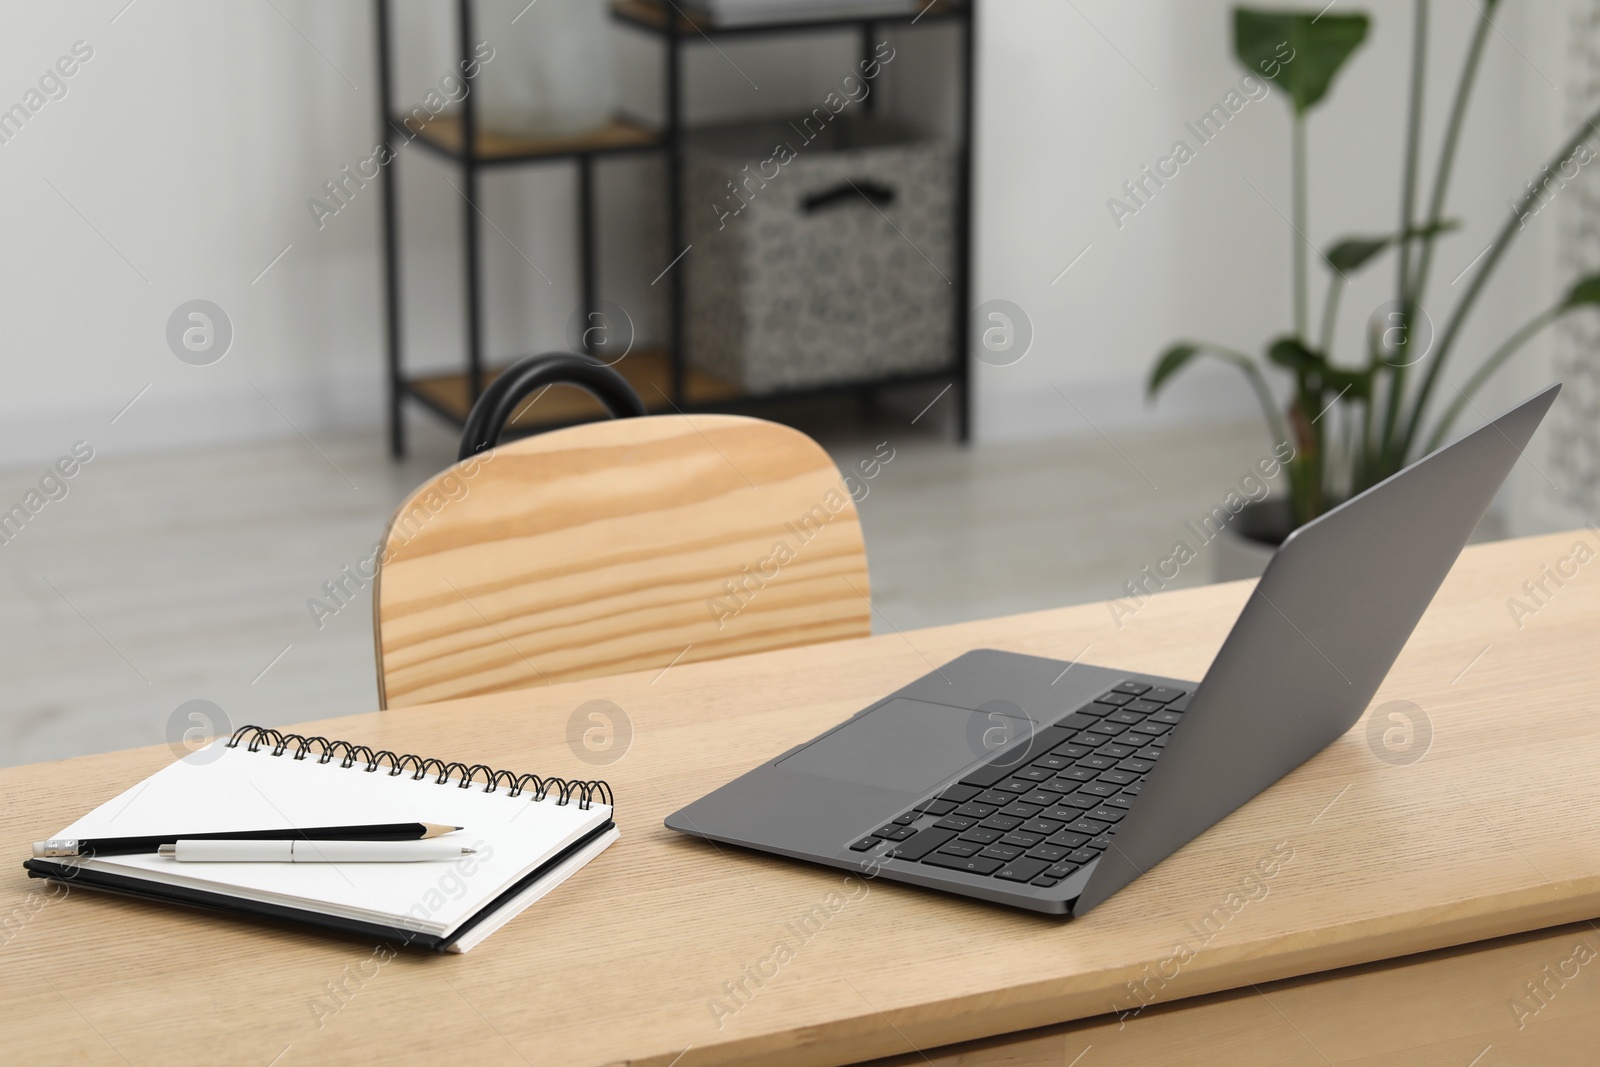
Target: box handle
{"points": [[879, 196]]}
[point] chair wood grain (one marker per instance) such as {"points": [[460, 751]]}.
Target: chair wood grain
{"points": [[647, 956], [612, 547]]}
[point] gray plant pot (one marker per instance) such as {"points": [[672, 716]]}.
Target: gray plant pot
{"points": [[1243, 548]]}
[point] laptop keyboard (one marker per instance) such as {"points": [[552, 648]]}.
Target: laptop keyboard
{"points": [[1036, 817]]}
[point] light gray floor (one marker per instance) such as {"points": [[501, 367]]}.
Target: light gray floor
{"points": [[167, 578]]}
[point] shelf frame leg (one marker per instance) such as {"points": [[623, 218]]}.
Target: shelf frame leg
{"points": [[963, 294], [473, 295], [677, 289], [395, 379], [869, 30], [588, 265]]}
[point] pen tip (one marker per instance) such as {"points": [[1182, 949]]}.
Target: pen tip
{"points": [[469, 852]]}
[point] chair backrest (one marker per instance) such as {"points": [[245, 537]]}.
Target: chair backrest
{"points": [[616, 546]]}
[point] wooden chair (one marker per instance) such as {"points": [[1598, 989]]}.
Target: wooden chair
{"points": [[635, 544]]}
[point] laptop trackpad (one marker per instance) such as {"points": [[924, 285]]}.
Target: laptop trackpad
{"points": [[906, 745]]}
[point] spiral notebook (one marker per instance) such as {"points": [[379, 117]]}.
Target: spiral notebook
{"points": [[530, 833]]}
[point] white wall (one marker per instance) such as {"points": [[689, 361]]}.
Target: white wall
{"points": [[1076, 98], [185, 150], [1553, 490], [183, 153]]}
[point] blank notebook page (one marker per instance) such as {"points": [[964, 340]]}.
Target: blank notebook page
{"points": [[219, 788]]}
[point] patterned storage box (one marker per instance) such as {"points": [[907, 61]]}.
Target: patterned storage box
{"points": [[823, 252]]}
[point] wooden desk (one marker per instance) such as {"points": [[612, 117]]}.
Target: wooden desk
{"points": [[1492, 833], [1450, 1008]]}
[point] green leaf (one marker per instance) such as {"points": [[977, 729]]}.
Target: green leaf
{"points": [[1290, 352], [1583, 291], [1352, 253], [1299, 50], [1175, 357], [1314, 371], [1171, 361], [1348, 384]]}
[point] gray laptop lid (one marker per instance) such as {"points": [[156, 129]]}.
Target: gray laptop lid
{"points": [[1316, 638]]}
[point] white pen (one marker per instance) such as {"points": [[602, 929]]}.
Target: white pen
{"points": [[196, 851]]}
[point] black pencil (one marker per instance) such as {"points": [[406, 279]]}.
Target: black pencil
{"points": [[88, 848]]}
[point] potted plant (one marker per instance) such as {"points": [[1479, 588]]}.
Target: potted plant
{"points": [[1348, 426]]}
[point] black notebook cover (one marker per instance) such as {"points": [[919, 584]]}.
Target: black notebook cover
{"points": [[221, 902], [232, 775]]}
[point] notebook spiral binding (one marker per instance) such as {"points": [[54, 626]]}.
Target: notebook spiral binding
{"points": [[587, 792]]}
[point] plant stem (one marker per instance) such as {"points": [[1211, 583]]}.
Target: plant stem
{"points": [[1269, 404], [1447, 151], [1490, 365], [1307, 491], [1408, 199], [1330, 313], [1298, 167], [1491, 259], [1347, 424], [1367, 468], [1408, 185]]}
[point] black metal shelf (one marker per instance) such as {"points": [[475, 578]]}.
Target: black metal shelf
{"points": [[458, 138], [579, 407], [651, 15], [442, 137]]}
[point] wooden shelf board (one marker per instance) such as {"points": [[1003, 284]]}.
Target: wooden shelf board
{"points": [[444, 131], [653, 14], [648, 371]]}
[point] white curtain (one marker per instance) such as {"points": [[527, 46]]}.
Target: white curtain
{"points": [[1574, 426]]}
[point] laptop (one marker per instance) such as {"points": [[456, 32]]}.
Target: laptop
{"points": [[1048, 785]]}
